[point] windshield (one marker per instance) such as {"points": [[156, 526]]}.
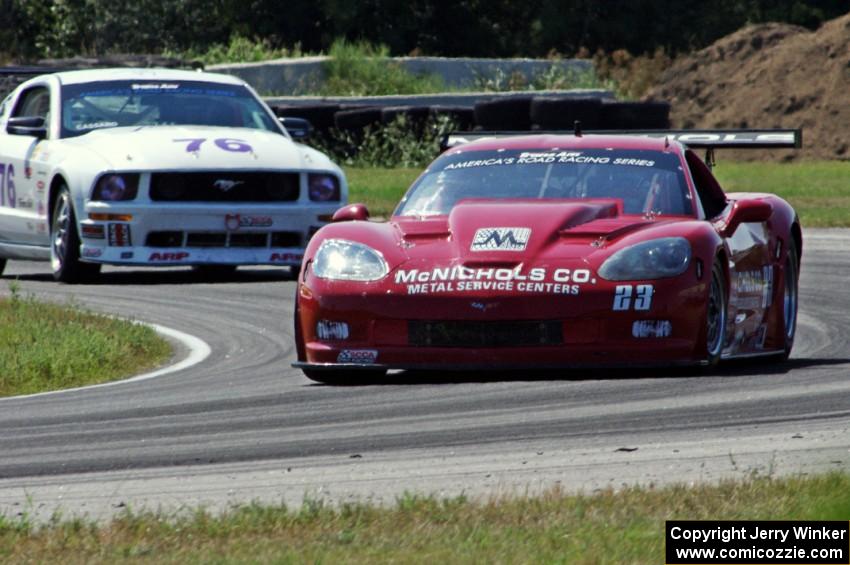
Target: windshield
{"points": [[105, 104], [645, 181]]}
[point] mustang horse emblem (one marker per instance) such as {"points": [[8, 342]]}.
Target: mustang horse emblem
{"points": [[226, 185]]}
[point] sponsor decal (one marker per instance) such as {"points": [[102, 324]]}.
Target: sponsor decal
{"points": [[92, 252], [39, 186], [500, 239], [40, 208], [235, 221], [286, 257], [359, 356], [171, 256], [752, 289], [483, 307], [548, 158], [459, 279], [95, 125], [27, 203], [92, 232], [652, 328], [126, 254]]}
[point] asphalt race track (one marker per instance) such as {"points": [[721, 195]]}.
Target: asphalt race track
{"points": [[242, 425]]}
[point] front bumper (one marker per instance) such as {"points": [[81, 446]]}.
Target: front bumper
{"points": [[383, 327], [198, 234]]}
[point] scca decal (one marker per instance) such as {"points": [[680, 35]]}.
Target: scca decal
{"points": [[168, 256]]}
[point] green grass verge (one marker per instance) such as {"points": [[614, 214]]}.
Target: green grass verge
{"points": [[379, 189], [50, 347], [608, 527], [818, 190]]}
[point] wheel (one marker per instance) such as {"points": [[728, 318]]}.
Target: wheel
{"points": [[343, 378], [65, 243], [214, 272], [715, 316], [790, 297]]}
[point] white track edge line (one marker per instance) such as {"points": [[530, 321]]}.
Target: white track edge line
{"points": [[198, 351]]}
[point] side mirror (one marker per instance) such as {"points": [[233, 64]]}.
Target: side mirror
{"points": [[27, 125], [351, 212], [298, 128], [745, 211]]}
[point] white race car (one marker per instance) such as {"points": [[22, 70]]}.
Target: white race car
{"points": [[155, 167]]}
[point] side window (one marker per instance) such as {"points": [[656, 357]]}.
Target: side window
{"points": [[34, 101], [710, 194]]}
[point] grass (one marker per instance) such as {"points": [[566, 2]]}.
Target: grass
{"points": [[379, 189], [364, 69], [606, 527], [818, 190], [50, 347]]}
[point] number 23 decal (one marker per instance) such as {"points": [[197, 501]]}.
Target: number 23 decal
{"points": [[226, 144], [623, 296], [7, 185]]}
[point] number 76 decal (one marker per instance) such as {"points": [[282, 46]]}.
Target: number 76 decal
{"points": [[623, 296], [232, 145]]}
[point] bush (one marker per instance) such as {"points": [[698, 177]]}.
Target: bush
{"points": [[239, 49], [401, 143], [362, 69]]}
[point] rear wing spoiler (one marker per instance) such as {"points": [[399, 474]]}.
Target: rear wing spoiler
{"points": [[709, 139]]}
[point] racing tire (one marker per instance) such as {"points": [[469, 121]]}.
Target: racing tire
{"points": [[344, 378], [716, 313], [463, 117], [511, 113], [65, 243], [214, 272], [562, 113], [321, 116], [790, 298], [357, 119], [635, 115]]}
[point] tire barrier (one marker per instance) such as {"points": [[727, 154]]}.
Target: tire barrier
{"points": [[357, 119], [562, 113], [415, 114], [635, 115], [516, 113], [462, 116], [320, 116], [512, 113]]}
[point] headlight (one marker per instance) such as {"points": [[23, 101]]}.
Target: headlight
{"points": [[656, 259], [113, 187], [338, 259], [323, 188]]}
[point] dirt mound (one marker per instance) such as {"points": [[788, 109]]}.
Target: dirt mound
{"points": [[769, 75]]}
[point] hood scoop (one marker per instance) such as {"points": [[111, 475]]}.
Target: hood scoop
{"points": [[419, 229]]}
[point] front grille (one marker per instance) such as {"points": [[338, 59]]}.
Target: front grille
{"points": [[225, 186], [223, 239], [484, 334]]}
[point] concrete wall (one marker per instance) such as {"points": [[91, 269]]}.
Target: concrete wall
{"points": [[283, 77], [447, 99]]}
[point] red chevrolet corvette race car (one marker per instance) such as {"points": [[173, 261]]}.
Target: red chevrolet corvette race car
{"points": [[556, 250]]}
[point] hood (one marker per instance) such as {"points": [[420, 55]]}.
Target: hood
{"points": [[512, 231], [195, 147]]}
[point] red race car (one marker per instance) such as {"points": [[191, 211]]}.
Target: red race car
{"points": [[555, 250]]}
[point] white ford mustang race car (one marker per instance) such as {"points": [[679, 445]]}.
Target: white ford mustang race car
{"points": [[155, 167]]}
